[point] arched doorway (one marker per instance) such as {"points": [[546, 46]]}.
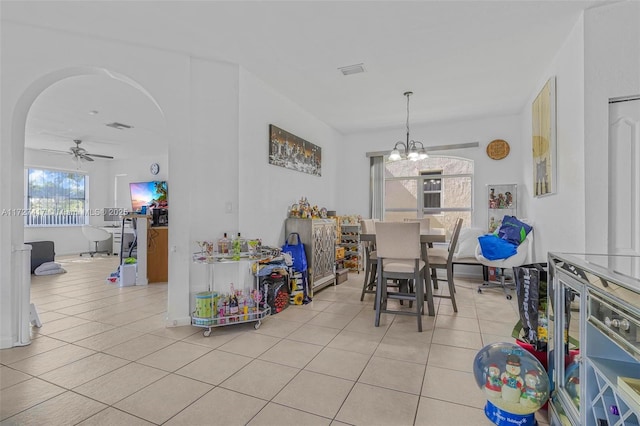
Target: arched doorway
{"points": [[16, 283]]}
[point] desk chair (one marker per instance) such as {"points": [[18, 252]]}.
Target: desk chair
{"points": [[518, 259], [443, 259], [95, 234], [399, 258]]}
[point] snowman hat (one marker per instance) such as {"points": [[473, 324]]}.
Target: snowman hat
{"points": [[533, 373], [513, 360]]}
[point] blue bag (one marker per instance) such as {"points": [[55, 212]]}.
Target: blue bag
{"points": [[513, 230], [494, 248], [297, 252]]}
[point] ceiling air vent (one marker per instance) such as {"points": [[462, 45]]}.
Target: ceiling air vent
{"points": [[352, 69], [118, 126]]}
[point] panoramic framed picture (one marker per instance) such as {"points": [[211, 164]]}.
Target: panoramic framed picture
{"points": [[544, 140], [292, 152]]}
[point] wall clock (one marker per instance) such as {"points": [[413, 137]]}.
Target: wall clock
{"points": [[498, 149], [154, 168]]}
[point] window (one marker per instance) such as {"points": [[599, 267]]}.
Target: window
{"points": [[432, 189], [438, 188], [55, 197]]}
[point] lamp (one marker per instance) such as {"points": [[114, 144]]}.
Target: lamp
{"points": [[412, 150]]}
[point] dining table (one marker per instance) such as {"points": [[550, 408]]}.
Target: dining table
{"points": [[427, 238]]}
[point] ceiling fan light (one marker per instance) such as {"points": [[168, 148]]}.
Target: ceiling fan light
{"points": [[423, 154], [395, 155]]}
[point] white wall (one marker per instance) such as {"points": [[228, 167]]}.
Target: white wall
{"points": [[267, 190], [559, 218], [612, 69], [599, 60], [353, 172]]}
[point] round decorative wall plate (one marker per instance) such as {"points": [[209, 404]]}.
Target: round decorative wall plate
{"points": [[498, 149]]}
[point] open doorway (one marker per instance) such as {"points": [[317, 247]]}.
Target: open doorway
{"points": [[100, 127]]}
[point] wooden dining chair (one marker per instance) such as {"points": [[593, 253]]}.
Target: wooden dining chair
{"points": [[399, 258], [440, 258], [371, 259]]}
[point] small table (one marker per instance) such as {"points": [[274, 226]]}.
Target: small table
{"points": [[427, 238]]}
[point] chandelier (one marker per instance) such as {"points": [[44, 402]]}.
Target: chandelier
{"points": [[412, 150]]}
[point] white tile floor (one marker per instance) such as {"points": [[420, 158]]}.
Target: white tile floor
{"points": [[104, 357]]}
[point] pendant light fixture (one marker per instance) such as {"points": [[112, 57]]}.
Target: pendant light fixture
{"points": [[412, 150]]}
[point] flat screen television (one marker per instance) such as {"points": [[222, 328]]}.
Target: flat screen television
{"points": [[145, 194]]}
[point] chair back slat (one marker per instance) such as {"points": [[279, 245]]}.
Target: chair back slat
{"points": [[398, 240], [454, 239]]}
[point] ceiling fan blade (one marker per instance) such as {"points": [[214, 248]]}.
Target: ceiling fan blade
{"points": [[56, 151], [86, 157], [100, 156]]}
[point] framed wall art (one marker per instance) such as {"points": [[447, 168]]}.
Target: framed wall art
{"points": [[292, 152], [544, 140]]}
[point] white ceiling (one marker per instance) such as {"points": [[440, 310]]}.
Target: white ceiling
{"points": [[462, 59]]}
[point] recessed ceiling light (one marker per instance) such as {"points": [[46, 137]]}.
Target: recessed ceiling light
{"points": [[93, 112], [352, 69]]}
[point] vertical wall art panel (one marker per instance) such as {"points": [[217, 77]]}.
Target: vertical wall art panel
{"points": [[544, 140]]}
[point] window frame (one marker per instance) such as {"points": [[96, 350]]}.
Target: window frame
{"points": [[79, 219], [419, 210]]}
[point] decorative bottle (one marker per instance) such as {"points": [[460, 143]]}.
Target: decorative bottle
{"points": [[237, 247], [223, 245]]}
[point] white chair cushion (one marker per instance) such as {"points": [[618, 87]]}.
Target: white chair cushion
{"points": [[401, 266], [438, 256]]}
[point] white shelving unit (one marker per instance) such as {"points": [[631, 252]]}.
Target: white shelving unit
{"points": [[502, 200], [350, 241]]}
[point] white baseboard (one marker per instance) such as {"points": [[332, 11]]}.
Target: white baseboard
{"points": [[178, 322]]}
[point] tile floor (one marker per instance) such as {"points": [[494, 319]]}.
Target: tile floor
{"points": [[104, 357]]}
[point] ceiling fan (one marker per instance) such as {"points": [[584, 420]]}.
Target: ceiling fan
{"points": [[80, 153]]}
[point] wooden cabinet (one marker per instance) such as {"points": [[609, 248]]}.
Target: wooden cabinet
{"points": [[319, 239], [157, 253]]}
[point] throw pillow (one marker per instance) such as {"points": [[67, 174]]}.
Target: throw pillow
{"points": [[467, 242], [47, 266]]}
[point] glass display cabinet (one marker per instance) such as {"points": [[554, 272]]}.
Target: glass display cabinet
{"points": [[502, 199], [594, 341]]}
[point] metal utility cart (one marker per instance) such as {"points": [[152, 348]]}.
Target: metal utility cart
{"points": [[211, 309]]}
